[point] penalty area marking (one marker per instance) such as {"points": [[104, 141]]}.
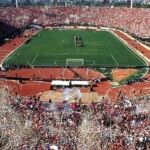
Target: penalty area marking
{"points": [[34, 58], [28, 63], [56, 61], [115, 60], [93, 61]]}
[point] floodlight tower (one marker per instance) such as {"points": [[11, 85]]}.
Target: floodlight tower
{"points": [[16, 3], [131, 6]]}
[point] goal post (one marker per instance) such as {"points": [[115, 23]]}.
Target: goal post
{"points": [[74, 62]]}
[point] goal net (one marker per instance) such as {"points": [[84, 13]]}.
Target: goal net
{"points": [[74, 62]]}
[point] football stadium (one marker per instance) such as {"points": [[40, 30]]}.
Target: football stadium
{"points": [[74, 75], [74, 47]]}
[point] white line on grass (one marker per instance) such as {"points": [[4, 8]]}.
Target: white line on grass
{"points": [[114, 60], [93, 61], [133, 51], [13, 51], [28, 63], [34, 58], [59, 60], [58, 54]]}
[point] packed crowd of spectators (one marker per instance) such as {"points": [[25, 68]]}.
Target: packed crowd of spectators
{"points": [[136, 21], [28, 123]]}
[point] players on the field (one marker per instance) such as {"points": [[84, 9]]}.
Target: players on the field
{"points": [[78, 41]]}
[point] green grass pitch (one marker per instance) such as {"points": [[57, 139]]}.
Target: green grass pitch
{"points": [[53, 47]]}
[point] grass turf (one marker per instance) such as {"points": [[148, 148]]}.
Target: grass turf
{"points": [[53, 47]]}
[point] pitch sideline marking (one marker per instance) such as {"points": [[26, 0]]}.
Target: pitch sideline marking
{"points": [[129, 48], [13, 51], [133, 51]]}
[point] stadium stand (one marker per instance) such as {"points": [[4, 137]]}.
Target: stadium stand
{"points": [[135, 21], [40, 125], [119, 121]]}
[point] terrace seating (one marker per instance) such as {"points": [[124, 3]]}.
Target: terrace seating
{"points": [[71, 125], [136, 21]]}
